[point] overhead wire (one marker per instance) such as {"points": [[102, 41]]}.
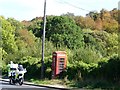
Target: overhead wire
{"points": [[64, 2]]}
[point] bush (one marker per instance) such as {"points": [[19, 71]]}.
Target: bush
{"points": [[81, 70], [109, 70]]}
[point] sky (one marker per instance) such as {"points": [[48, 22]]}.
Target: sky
{"points": [[29, 9]]}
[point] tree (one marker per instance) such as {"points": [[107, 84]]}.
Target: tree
{"points": [[114, 13], [16, 24], [98, 24], [87, 55], [8, 36], [104, 14], [94, 15], [85, 22], [110, 26], [35, 26], [26, 42], [106, 43], [62, 30]]}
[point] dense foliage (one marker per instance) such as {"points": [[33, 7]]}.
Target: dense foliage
{"points": [[91, 44]]}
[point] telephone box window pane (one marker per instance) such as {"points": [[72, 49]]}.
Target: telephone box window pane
{"points": [[61, 64], [61, 59]]}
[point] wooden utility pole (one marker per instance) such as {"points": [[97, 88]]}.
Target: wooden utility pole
{"points": [[43, 41]]}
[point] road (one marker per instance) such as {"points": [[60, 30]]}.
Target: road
{"points": [[5, 86]]}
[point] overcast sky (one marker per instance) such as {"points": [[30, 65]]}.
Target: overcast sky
{"points": [[29, 9]]}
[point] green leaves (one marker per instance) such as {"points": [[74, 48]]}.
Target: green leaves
{"points": [[16, 24], [86, 47], [8, 35], [62, 30]]}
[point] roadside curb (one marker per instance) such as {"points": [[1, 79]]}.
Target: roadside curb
{"points": [[40, 85], [47, 86]]}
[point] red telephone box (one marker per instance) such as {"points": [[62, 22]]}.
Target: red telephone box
{"points": [[59, 62]]}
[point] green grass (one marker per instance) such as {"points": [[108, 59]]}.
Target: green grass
{"points": [[86, 84], [49, 82]]}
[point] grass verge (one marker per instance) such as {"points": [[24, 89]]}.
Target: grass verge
{"points": [[86, 84]]}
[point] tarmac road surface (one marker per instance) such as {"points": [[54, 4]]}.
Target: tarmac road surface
{"points": [[6, 86]]}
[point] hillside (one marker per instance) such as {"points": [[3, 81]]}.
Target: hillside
{"points": [[91, 44]]}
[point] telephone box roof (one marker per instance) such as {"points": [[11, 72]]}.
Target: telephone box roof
{"points": [[60, 52]]}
